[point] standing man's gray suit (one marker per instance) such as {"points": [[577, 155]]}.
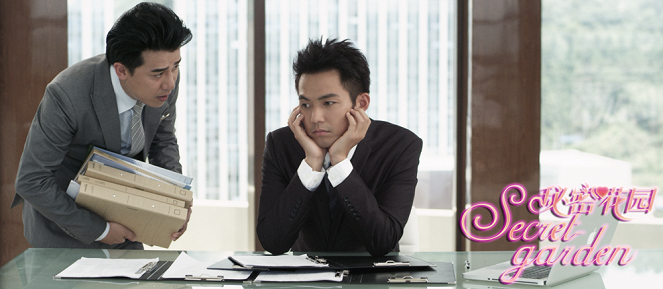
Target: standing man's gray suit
{"points": [[79, 109]]}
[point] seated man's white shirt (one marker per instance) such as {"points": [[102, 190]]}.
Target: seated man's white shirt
{"points": [[337, 174]]}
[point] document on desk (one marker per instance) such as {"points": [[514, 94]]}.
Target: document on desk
{"points": [[103, 268], [302, 275], [279, 261], [186, 267]]}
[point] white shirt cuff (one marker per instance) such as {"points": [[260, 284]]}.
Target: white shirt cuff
{"points": [[339, 172], [105, 232], [73, 189], [310, 178]]}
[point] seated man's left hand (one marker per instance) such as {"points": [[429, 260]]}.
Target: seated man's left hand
{"points": [[358, 122]]}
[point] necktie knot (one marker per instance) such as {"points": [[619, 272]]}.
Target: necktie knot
{"points": [[138, 107]]}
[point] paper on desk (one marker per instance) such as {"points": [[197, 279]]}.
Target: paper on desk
{"points": [[301, 275], [186, 265], [101, 268], [280, 261]]}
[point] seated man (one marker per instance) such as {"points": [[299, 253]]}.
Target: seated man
{"points": [[335, 180]]}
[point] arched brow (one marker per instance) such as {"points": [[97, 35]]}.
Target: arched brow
{"points": [[326, 96], [166, 68]]}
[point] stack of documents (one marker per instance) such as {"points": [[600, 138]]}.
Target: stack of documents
{"points": [[268, 268], [188, 268], [149, 200], [184, 267], [105, 268], [346, 269]]}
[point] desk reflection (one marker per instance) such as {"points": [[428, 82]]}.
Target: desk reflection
{"points": [[35, 268]]}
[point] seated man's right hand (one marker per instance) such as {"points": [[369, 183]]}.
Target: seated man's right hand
{"points": [[315, 155], [117, 234]]}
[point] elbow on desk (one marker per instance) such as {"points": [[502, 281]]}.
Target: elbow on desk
{"points": [[378, 252], [272, 243], [274, 249], [383, 246]]}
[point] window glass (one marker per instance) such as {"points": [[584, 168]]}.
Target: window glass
{"points": [[410, 48], [601, 88], [211, 108]]}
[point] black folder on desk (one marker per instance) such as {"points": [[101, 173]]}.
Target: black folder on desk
{"points": [[373, 263], [227, 264], [156, 272], [439, 273]]}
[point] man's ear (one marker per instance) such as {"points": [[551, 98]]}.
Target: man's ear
{"points": [[121, 71], [363, 101]]}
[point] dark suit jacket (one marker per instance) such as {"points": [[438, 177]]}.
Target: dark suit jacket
{"points": [[79, 109], [373, 202]]}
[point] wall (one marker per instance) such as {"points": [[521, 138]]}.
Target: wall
{"points": [[216, 227], [33, 49], [224, 227], [504, 107]]}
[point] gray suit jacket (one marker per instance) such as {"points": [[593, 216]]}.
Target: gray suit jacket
{"points": [[79, 109]]}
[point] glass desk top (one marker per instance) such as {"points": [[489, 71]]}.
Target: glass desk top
{"points": [[35, 268]]}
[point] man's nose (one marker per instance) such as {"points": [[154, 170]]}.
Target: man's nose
{"points": [[317, 115], [169, 81]]}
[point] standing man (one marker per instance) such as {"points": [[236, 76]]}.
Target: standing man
{"points": [[335, 180], [97, 102]]}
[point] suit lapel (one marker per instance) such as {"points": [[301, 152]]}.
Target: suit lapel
{"points": [[363, 150], [105, 106], [151, 119]]}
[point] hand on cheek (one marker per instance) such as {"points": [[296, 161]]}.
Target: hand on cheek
{"points": [[314, 154], [358, 123]]}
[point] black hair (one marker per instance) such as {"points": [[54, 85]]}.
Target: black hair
{"points": [[341, 56], [146, 26]]}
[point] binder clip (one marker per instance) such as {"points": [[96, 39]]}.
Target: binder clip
{"points": [[407, 279], [146, 267], [317, 260], [391, 263], [342, 273], [204, 277]]}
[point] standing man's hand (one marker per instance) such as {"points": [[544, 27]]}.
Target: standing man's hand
{"points": [[117, 234], [358, 123], [315, 155]]}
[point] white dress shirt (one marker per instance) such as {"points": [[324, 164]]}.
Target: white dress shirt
{"points": [[337, 174], [124, 108]]}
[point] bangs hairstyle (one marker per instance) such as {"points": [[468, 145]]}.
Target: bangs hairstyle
{"points": [[146, 26], [334, 55]]}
